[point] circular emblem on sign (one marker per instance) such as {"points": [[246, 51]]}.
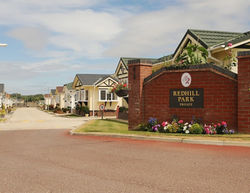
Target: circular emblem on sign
{"points": [[102, 107], [186, 79]]}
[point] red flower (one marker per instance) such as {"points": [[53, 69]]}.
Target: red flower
{"points": [[180, 121], [223, 123]]}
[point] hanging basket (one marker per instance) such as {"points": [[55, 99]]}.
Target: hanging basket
{"points": [[122, 93]]}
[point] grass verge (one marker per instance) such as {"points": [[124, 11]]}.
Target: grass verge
{"points": [[113, 126]]}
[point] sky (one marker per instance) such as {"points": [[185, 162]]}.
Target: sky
{"points": [[50, 41]]}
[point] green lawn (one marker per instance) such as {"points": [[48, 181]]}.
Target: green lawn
{"points": [[113, 126]]}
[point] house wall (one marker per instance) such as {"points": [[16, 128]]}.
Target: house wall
{"points": [[94, 103]]}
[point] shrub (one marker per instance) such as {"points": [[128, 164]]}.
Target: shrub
{"points": [[196, 129], [85, 109], [123, 109], [142, 127]]}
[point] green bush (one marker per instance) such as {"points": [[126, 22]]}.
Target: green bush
{"points": [[142, 127], [85, 110], [196, 129], [123, 109]]}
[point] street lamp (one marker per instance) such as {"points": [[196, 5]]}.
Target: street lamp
{"points": [[3, 45]]}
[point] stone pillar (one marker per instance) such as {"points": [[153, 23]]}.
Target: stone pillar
{"points": [[138, 70], [244, 92]]}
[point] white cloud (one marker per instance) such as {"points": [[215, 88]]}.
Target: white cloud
{"points": [[33, 38], [159, 32], [61, 34]]}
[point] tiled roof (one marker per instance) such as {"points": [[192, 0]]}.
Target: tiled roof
{"points": [[163, 59], [69, 86], [46, 95], [212, 38], [243, 37], [91, 79]]}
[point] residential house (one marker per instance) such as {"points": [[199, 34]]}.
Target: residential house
{"points": [[92, 90], [219, 44], [121, 72], [59, 97], [221, 47], [47, 100], [53, 97], [2, 95], [69, 96], [8, 102]]}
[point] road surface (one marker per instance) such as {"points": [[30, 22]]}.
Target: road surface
{"points": [[32, 118], [52, 161]]}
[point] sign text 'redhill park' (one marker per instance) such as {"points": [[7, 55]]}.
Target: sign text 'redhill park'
{"points": [[186, 98]]}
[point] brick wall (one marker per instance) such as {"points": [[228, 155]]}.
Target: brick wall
{"points": [[138, 70], [244, 92], [150, 97], [220, 97]]}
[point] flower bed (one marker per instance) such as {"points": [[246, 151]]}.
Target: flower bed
{"points": [[178, 126]]}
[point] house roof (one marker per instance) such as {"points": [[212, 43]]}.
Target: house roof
{"points": [[208, 38], [164, 58], [241, 38], [69, 85], [53, 91], [59, 89], [91, 79], [126, 59], [212, 38], [1, 88], [47, 95]]}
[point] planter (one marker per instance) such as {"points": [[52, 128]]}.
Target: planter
{"points": [[122, 93], [86, 115]]}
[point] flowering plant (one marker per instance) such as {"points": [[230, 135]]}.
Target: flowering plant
{"points": [[209, 129], [221, 128], [119, 86]]}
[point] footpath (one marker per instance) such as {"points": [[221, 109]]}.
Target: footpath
{"points": [[177, 139]]}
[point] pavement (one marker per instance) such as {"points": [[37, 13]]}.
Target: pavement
{"points": [[167, 139], [40, 159]]}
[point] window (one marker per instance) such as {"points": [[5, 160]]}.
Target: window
{"points": [[83, 95], [105, 95]]}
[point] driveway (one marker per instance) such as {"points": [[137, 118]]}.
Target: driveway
{"points": [[32, 118]]}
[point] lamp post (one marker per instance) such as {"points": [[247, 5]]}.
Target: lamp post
{"points": [[3, 45]]}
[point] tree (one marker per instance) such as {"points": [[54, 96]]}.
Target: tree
{"points": [[192, 54]]}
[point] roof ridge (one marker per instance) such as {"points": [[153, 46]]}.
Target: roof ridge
{"points": [[215, 31]]}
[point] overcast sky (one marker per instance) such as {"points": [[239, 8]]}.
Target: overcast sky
{"points": [[49, 41]]}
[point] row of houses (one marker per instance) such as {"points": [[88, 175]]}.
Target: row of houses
{"points": [[5, 100], [92, 90]]}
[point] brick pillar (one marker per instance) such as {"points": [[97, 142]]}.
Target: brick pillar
{"points": [[137, 71], [244, 92]]}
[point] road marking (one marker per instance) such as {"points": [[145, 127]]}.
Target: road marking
{"points": [[40, 121], [25, 121]]}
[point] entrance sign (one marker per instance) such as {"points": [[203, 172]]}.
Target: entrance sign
{"points": [[186, 79], [186, 98]]}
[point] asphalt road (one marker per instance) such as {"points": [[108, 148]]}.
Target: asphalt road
{"points": [[51, 161], [32, 118]]}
